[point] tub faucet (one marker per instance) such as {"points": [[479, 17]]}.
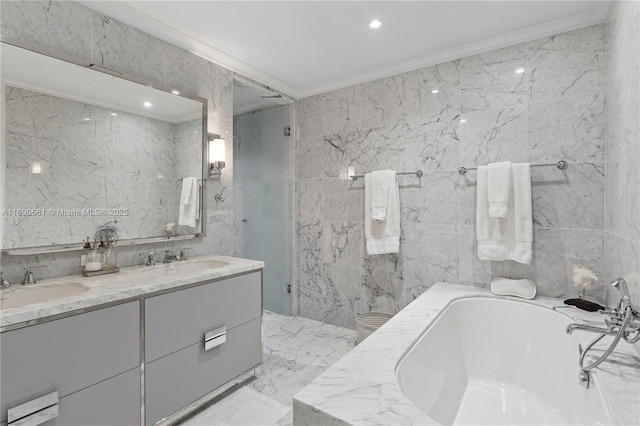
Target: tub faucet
{"points": [[625, 298], [623, 322]]}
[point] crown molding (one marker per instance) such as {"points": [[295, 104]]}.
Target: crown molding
{"points": [[597, 13], [143, 22]]}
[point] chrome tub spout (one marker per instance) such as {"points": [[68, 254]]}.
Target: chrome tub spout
{"points": [[624, 322], [575, 326]]}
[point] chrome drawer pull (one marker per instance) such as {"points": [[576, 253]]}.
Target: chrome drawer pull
{"points": [[215, 337], [35, 412]]}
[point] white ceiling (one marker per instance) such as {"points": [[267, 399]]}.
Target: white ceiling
{"points": [[308, 47]]}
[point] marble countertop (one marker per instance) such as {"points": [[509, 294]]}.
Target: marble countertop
{"points": [[128, 283], [361, 388]]}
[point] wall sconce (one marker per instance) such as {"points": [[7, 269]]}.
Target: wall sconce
{"points": [[216, 156]]}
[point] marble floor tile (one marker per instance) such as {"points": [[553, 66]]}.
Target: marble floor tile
{"points": [[243, 408], [296, 351]]}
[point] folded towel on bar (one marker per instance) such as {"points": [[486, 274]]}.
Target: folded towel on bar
{"points": [[499, 181], [508, 238], [524, 288], [381, 182], [382, 236], [189, 209]]}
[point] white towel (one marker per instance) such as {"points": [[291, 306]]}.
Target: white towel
{"points": [[382, 236], [381, 182], [189, 209], [509, 238], [498, 185]]}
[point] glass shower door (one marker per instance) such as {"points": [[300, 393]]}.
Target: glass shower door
{"points": [[265, 200]]}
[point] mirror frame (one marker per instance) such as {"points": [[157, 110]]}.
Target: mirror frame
{"points": [[55, 248]]}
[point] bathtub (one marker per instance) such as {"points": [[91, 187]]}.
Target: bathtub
{"points": [[499, 362], [458, 354]]}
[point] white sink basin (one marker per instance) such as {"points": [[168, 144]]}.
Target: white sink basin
{"points": [[18, 296], [178, 268]]}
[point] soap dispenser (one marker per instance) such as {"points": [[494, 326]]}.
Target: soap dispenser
{"points": [[94, 261]]}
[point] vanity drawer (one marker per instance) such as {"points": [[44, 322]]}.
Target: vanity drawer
{"points": [[113, 402], [176, 320], [68, 354], [176, 380]]}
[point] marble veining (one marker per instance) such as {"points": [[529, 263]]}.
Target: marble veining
{"points": [[490, 80], [361, 388], [567, 64], [121, 47], [494, 135], [341, 110], [309, 117], [571, 129], [622, 195], [433, 92], [129, 282], [86, 158], [466, 112], [54, 25]]}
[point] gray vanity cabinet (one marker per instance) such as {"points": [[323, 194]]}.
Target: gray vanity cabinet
{"points": [[113, 402], [88, 358], [178, 368]]}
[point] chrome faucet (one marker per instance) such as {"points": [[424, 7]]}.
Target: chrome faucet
{"points": [[180, 254], [4, 283], [623, 322], [28, 274], [168, 257], [150, 260]]}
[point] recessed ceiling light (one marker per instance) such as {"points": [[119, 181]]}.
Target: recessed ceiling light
{"points": [[519, 70], [463, 120], [175, 92], [87, 119], [147, 104], [434, 91], [114, 114], [375, 24]]}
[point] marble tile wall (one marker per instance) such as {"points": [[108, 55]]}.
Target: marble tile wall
{"points": [[72, 29], [467, 112], [91, 159], [622, 196]]}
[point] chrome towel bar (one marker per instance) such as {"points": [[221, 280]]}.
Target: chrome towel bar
{"points": [[560, 164], [418, 173]]}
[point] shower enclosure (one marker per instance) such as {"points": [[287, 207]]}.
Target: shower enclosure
{"points": [[263, 153]]}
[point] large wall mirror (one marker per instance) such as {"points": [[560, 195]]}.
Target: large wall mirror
{"points": [[83, 149]]}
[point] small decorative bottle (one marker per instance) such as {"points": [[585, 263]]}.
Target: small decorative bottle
{"points": [[110, 261]]}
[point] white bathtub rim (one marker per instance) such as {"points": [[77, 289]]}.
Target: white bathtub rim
{"points": [[343, 394], [533, 302]]}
